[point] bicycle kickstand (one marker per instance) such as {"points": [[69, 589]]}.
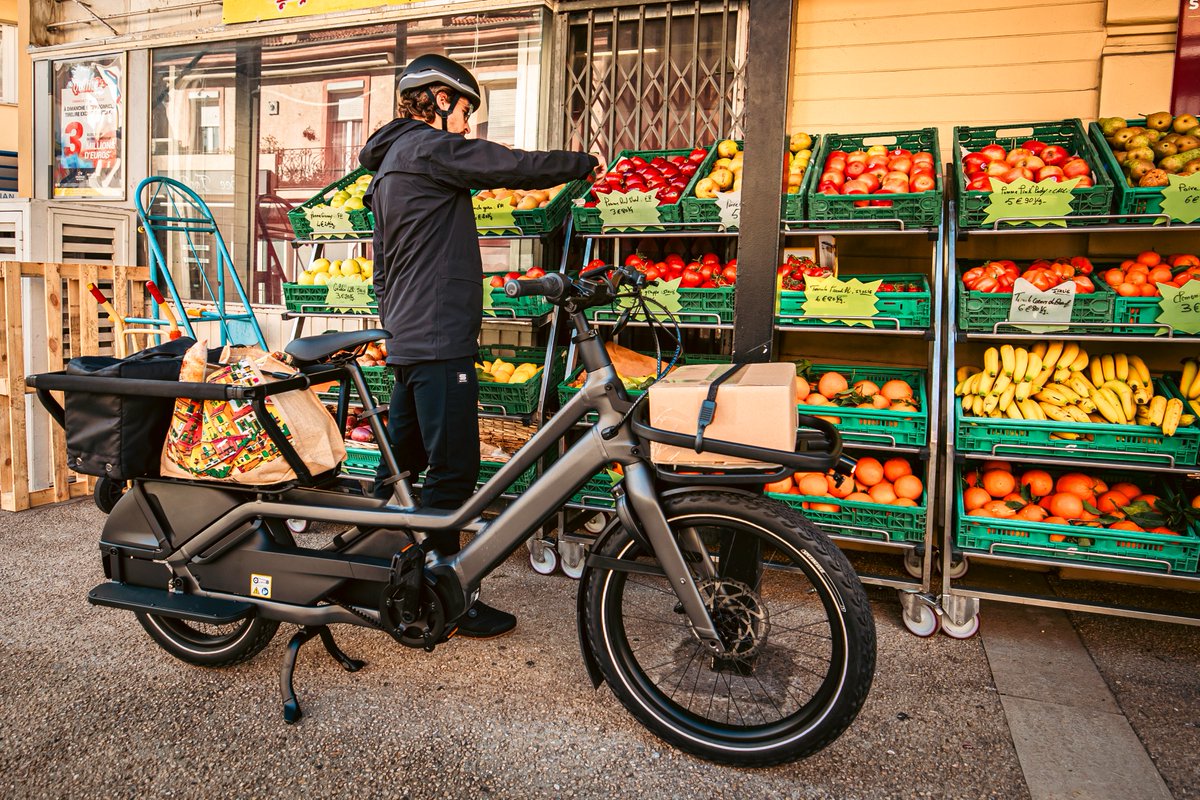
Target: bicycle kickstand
{"points": [[291, 707]]}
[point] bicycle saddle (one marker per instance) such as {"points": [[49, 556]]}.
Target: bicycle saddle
{"points": [[311, 349]]}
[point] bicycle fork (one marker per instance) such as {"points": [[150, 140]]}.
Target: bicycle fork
{"points": [[643, 500]]}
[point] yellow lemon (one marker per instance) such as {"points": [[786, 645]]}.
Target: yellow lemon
{"points": [[305, 278]]}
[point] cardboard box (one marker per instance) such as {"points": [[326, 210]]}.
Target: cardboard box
{"points": [[757, 406]]}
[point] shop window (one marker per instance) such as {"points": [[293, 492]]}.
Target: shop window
{"points": [[206, 121], [659, 76], [8, 63]]}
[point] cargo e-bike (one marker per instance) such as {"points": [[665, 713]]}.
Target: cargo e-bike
{"points": [[725, 622]]}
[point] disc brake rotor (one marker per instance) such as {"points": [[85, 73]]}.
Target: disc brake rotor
{"points": [[739, 616]]}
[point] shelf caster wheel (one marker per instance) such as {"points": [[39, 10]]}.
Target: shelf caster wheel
{"points": [[542, 557], [596, 524], [106, 493], [958, 568], [964, 631], [574, 558], [921, 620], [914, 563], [297, 525]]}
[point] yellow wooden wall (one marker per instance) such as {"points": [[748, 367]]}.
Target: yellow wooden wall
{"points": [[873, 65]]}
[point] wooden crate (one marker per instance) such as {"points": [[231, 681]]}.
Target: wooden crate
{"points": [[48, 318]]}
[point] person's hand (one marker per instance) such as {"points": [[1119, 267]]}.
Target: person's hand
{"points": [[600, 165]]}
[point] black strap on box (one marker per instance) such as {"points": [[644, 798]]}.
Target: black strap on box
{"points": [[708, 409]]}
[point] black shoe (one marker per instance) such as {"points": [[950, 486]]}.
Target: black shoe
{"points": [[484, 622]]}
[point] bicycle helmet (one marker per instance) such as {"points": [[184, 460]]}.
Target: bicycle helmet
{"points": [[433, 70]]}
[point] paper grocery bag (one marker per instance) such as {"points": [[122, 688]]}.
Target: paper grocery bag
{"points": [[224, 441]]}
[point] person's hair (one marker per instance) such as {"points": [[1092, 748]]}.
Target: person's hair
{"points": [[418, 104]]}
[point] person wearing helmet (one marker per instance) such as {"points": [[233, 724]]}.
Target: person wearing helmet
{"points": [[428, 279]]}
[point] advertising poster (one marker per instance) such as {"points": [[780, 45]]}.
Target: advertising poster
{"points": [[89, 122], [1185, 94], [265, 10]]}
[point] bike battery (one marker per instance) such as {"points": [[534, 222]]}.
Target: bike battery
{"points": [[755, 406]]}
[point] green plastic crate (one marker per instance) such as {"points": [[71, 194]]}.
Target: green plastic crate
{"points": [[863, 520], [872, 426], [1153, 552], [914, 209], [587, 220], [794, 204], [489, 468], [1068, 133], [306, 299], [696, 306], [566, 392], [518, 398], [361, 219], [596, 493], [363, 461], [1144, 312], [1128, 199], [540, 221], [980, 311], [379, 380], [505, 307], [701, 209], [1143, 444], [893, 311]]}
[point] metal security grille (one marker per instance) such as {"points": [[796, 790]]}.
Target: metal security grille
{"points": [[661, 76]]}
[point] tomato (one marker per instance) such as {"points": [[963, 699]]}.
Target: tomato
{"points": [[1083, 284], [512, 276], [1006, 282], [987, 284], [690, 280], [674, 258], [594, 263], [692, 266], [710, 258], [534, 272], [784, 269], [652, 273], [708, 285], [729, 274], [497, 282], [731, 263], [633, 260], [706, 271]]}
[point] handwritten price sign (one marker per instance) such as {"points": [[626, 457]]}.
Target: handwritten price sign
{"points": [[1181, 198], [1180, 307], [494, 217], [349, 297], [629, 211], [1030, 304], [328, 221], [664, 293], [834, 300], [729, 206], [1023, 200]]}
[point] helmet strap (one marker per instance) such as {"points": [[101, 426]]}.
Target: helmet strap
{"points": [[445, 115]]}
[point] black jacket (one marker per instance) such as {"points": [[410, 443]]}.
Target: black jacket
{"points": [[428, 272]]}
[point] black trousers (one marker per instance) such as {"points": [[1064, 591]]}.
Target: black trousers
{"points": [[433, 424]]}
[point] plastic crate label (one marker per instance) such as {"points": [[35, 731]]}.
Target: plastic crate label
{"points": [[328, 221], [836, 300], [664, 293], [629, 210], [1180, 307], [494, 217], [1024, 200], [1181, 198], [729, 209], [1030, 304], [347, 295]]}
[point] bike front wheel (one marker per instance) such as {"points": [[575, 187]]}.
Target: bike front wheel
{"points": [[791, 612]]}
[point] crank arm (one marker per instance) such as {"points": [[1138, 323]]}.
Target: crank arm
{"points": [[640, 487]]}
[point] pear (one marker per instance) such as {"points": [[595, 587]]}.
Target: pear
{"points": [[1141, 154], [1163, 148], [1191, 168], [1139, 168], [1193, 132], [1122, 156], [1171, 164], [1122, 136], [1159, 121], [1154, 178], [1110, 125], [1189, 142], [1138, 141], [1184, 123], [800, 141], [1153, 135]]}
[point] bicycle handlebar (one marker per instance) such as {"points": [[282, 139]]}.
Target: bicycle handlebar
{"points": [[553, 286]]}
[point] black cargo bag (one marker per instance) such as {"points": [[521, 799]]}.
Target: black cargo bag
{"points": [[121, 436]]}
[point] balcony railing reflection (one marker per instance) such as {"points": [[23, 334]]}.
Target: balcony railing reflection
{"points": [[312, 167]]}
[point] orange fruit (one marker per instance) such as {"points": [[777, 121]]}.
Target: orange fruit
{"points": [[1160, 275], [895, 468], [1126, 488], [896, 389], [844, 490], [860, 497], [1057, 537], [999, 509], [880, 402], [1077, 484], [1135, 279], [831, 383], [974, 497], [909, 487], [1196, 501], [904, 501], [1126, 525], [1149, 290], [977, 512], [1164, 531], [988, 466], [1013, 497], [1067, 505], [870, 388], [1149, 499], [869, 471], [780, 487], [882, 492], [1114, 277], [1055, 521], [999, 483], [803, 390], [1039, 482], [1032, 513], [1149, 258], [813, 484], [1128, 290], [971, 478], [1111, 501], [828, 508]]}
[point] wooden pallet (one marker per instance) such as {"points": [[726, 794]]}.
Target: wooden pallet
{"points": [[49, 318]]}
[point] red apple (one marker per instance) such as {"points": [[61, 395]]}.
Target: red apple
{"points": [[979, 183], [835, 162], [871, 179], [896, 175], [824, 187], [1030, 162], [834, 177], [857, 157], [996, 169], [855, 168], [1046, 173], [923, 183], [1084, 180], [923, 157], [901, 164], [877, 161], [1076, 167], [994, 152], [1054, 155], [972, 162], [1015, 155], [1034, 146], [1016, 173], [856, 187]]}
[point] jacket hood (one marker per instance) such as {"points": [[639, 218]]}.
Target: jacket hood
{"points": [[381, 140]]}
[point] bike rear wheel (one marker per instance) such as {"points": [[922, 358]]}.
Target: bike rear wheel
{"points": [[792, 615], [210, 645]]}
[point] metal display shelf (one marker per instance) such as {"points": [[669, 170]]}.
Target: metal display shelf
{"points": [[1105, 223], [857, 227], [917, 333], [959, 601], [1021, 335]]}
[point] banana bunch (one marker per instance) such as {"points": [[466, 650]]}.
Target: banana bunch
{"points": [[1059, 381]]}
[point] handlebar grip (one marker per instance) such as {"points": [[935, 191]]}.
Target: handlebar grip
{"points": [[826, 428], [552, 286]]}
